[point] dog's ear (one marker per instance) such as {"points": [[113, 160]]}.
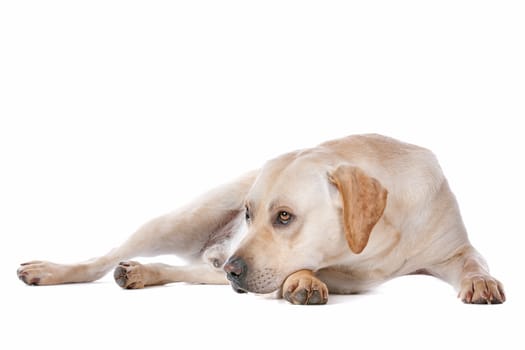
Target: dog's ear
{"points": [[364, 200]]}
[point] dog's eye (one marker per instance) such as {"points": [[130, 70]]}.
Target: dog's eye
{"points": [[247, 214], [284, 217]]}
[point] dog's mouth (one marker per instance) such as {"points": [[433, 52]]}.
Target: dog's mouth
{"points": [[237, 288], [260, 284], [244, 278]]}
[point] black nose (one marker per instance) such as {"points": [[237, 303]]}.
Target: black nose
{"points": [[235, 269]]}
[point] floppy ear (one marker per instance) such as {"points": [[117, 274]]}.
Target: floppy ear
{"points": [[364, 200]]}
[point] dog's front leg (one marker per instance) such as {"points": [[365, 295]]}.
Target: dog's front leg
{"points": [[303, 288], [467, 271]]}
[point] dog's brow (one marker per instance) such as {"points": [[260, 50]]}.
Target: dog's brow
{"points": [[273, 205], [276, 204]]}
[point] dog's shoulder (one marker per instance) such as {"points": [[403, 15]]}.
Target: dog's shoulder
{"points": [[406, 170]]}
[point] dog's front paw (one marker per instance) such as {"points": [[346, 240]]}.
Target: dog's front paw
{"points": [[130, 275], [481, 289], [303, 288]]}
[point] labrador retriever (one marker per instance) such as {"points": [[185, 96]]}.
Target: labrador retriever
{"points": [[341, 217]]}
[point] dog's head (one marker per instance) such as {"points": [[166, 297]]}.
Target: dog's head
{"points": [[300, 214]]}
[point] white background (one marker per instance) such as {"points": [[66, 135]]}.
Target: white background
{"points": [[112, 112]]}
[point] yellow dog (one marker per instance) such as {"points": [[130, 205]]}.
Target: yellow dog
{"points": [[340, 217]]}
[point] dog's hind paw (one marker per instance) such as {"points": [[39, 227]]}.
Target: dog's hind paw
{"points": [[130, 275], [37, 273]]}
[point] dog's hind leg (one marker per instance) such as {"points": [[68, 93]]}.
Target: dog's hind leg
{"points": [[189, 233], [133, 275]]}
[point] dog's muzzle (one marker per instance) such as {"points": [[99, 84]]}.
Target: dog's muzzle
{"points": [[236, 269]]}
